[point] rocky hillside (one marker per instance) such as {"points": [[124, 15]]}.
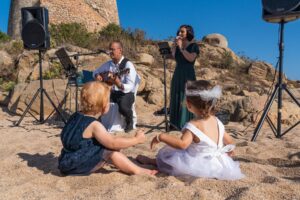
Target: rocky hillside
{"points": [[246, 83], [97, 13]]}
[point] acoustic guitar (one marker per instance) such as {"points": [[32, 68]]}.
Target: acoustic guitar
{"points": [[108, 76]]}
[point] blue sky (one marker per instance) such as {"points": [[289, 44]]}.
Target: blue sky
{"points": [[240, 21]]}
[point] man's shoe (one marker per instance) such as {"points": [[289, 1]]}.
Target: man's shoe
{"points": [[129, 127], [162, 111]]}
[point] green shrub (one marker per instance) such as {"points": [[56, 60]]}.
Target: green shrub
{"points": [[16, 47], [55, 71], [111, 31], [77, 34], [226, 61], [131, 39], [72, 33], [4, 37], [8, 86]]}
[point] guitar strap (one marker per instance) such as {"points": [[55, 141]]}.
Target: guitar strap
{"points": [[123, 64]]}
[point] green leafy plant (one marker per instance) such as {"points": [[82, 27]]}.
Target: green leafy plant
{"points": [[131, 39], [16, 47], [4, 37], [55, 71], [8, 86], [73, 33], [112, 31], [226, 61]]}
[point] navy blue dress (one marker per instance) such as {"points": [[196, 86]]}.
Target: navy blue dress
{"points": [[79, 155]]}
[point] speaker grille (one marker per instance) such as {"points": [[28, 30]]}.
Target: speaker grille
{"points": [[33, 34], [276, 11], [280, 6]]}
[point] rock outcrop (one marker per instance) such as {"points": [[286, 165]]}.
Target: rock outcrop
{"points": [[94, 14], [216, 39]]}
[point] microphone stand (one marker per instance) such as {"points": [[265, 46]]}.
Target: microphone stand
{"points": [[164, 50]]}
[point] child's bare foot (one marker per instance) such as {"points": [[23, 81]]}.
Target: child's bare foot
{"points": [[146, 160], [147, 171]]}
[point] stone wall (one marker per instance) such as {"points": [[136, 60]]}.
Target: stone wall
{"points": [[94, 14], [14, 24]]}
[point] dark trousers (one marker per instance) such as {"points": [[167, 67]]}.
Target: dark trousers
{"points": [[124, 101]]}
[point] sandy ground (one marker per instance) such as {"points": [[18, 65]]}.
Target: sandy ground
{"points": [[29, 153]]}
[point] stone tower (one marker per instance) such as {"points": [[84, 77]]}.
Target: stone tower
{"points": [[94, 14]]}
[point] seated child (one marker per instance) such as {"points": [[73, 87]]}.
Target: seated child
{"points": [[86, 143], [200, 151]]}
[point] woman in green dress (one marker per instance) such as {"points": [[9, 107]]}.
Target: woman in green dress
{"points": [[185, 51]]}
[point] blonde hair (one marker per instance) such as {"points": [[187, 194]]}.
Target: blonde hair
{"points": [[94, 97]]}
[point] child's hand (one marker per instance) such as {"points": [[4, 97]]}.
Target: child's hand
{"points": [[98, 77], [154, 141], [230, 153], [140, 135]]}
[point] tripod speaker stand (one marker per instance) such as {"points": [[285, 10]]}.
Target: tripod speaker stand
{"points": [[40, 91], [35, 35], [277, 91]]}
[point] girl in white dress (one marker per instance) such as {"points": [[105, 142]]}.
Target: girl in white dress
{"points": [[204, 149]]}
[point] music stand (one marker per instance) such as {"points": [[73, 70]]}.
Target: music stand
{"points": [[165, 51], [277, 91], [70, 70]]}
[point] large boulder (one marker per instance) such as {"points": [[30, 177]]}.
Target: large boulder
{"points": [[4, 98], [35, 74], [207, 74], [248, 109], [154, 89], [261, 70], [145, 59], [214, 56], [295, 92], [23, 93], [6, 65], [25, 66], [216, 39]]}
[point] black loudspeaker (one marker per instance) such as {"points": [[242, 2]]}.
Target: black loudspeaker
{"points": [[276, 11], [35, 33]]}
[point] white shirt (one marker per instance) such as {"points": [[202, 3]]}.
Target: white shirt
{"points": [[130, 80]]}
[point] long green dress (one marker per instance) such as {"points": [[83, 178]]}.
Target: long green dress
{"points": [[184, 71]]}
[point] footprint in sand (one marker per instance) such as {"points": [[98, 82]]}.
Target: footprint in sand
{"points": [[270, 179], [62, 186], [242, 144]]}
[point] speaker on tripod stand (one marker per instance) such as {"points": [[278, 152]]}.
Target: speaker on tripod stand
{"points": [[35, 36], [278, 11]]}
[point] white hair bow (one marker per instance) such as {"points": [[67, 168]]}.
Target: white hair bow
{"points": [[206, 95]]}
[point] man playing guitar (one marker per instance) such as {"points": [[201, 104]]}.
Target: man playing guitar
{"points": [[123, 84]]}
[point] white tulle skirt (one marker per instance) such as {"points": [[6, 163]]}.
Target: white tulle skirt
{"points": [[185, 162]]}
